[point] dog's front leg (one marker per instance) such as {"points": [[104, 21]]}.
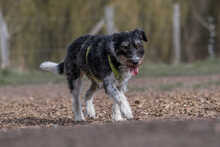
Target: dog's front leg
{"points": [[118, 97], [123, 84], [123, 87], [116, 113]]}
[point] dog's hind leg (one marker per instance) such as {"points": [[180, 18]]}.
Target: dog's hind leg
{"points": [[90, 110], [76, 104]]}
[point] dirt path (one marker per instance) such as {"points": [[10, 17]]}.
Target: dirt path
{"points": [[126, 134]]}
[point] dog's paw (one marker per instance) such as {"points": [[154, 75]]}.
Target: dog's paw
{"points": [[116, 113], [90, 110], [117, 117], [126, 110], [79, 117]]}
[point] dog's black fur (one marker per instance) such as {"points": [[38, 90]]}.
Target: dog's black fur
{"points": [[96, 55], [101, 46]]}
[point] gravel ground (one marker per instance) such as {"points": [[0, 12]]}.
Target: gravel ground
{"points": [[49, 105]]}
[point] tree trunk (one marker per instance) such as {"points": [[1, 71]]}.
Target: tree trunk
{"points": [[4, 36], [212, 35], [176, 33]]}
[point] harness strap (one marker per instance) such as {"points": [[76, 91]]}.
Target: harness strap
{"points": [[89, 73], [87, 53], [114, 70]]}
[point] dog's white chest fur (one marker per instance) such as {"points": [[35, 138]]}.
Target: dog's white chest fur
{"points": [[122, 84], [126, 76]]}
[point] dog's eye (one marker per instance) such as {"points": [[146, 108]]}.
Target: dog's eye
{"points": [[141, 52], [139, 45], [129, 52], [124, 48], [125, 44]]}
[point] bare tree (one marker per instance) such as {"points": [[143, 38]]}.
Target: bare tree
{"points": [[4, 36], [97, 27], [194, 34], [108, 21], [211, 27], [212, 35]]}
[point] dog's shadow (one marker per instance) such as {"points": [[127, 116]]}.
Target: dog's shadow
{"points": [[42, 122]]}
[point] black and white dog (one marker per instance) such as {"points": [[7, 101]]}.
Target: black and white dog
{"points": [[109, 61]]}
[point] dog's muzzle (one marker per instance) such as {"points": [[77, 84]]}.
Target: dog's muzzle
{"points": [[133, 65]]}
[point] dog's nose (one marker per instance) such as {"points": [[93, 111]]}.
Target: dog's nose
{"points": [[135, 62]]}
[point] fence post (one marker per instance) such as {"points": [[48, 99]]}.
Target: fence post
{"points": [[176, 33], [4, 37], [109, 19]]}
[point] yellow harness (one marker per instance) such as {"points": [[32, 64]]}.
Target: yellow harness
{"points": [[114, 70]]}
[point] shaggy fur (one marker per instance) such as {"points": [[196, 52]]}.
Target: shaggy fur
{"points": [[126, 53]]}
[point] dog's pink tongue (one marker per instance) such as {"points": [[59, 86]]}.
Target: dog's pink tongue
{"points": [[134, 71]]}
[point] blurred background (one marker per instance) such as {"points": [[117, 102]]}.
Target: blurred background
{"points": [[179, 31], [180, 78]]}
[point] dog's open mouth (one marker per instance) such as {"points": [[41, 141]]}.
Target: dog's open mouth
{"points": [[134, 69]]}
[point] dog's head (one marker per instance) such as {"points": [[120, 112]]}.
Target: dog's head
{"points": [[129, 48]]}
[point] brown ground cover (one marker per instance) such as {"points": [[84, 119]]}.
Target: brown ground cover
{"points": [[169, 98]]}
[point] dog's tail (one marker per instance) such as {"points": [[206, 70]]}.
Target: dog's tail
{"points": [[53, 67]]}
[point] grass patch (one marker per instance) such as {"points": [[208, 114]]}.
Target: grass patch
{"points": [[169, 87], [137, 89], [206, 84], [206, 67], [13, 77]]}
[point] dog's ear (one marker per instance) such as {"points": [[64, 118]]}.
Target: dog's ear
{"points": [[141, 34]]}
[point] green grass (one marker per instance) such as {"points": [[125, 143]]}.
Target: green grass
{"points": [[206, 84], [169, 87], [206, 67], [13, 77], [137, 89]]}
